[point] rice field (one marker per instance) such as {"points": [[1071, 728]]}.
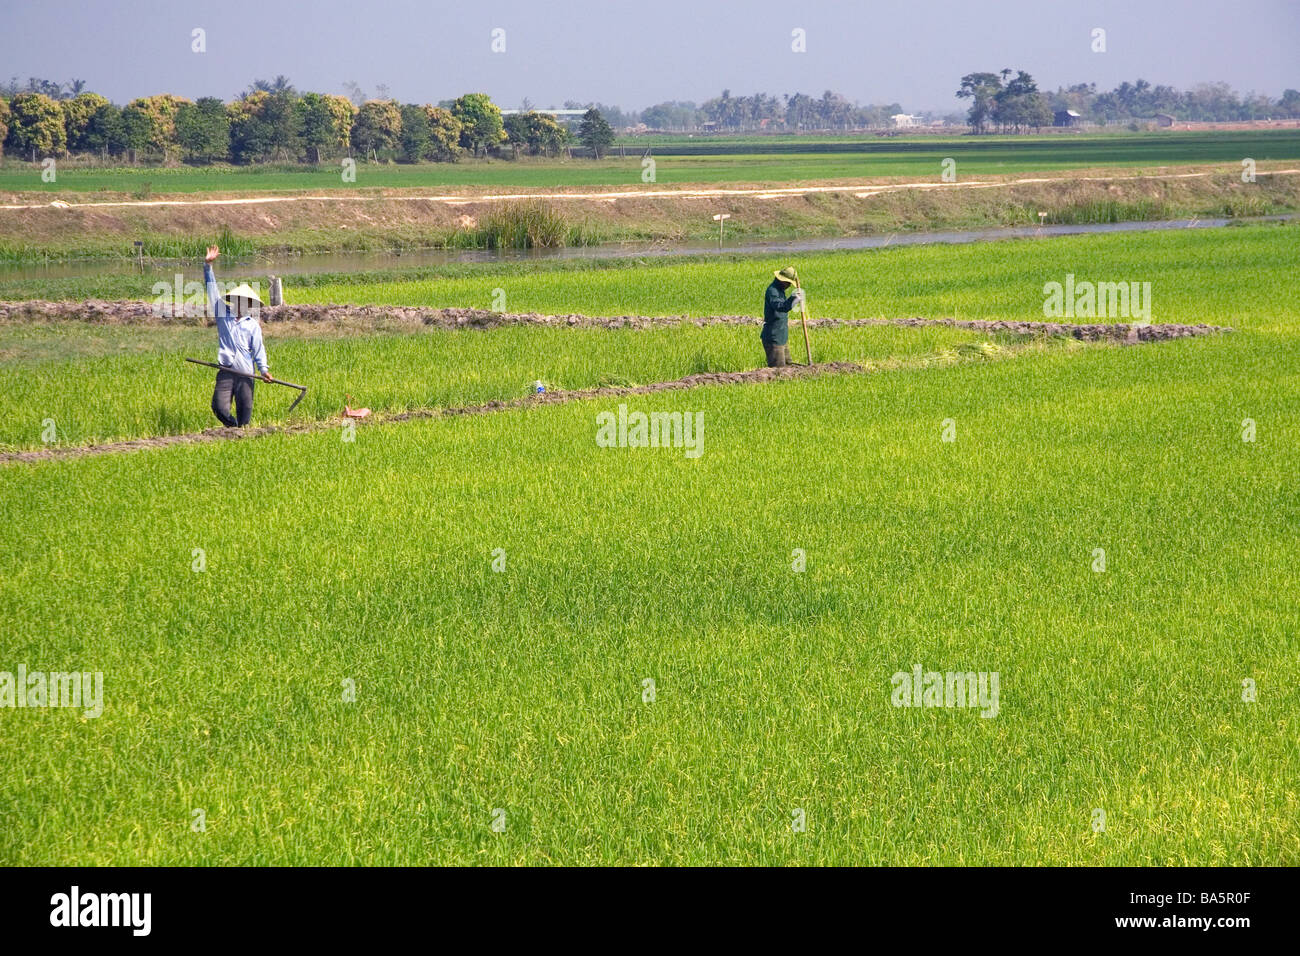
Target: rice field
{"points": [[394, 371], [758, 159], [492, 640], [997, 280]]}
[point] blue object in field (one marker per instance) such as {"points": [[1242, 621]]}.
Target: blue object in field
{"points": [[539, 387]]}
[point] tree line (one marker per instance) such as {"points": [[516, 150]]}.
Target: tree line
{"points": [[272, 121], [1009, 101], [1208, 102], [791, 112]]}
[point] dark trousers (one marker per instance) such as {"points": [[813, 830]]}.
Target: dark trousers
{"points": [[778, 356], [240, 387]]}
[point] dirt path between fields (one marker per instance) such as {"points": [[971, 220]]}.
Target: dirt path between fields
{"points": [[360, 318], [547, 398], [1127, 334], [859, 190]]}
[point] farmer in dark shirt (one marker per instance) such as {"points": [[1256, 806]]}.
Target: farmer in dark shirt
{"points": [[778, 300]]}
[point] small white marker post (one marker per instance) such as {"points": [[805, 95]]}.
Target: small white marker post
{"points": [[721, 218]]}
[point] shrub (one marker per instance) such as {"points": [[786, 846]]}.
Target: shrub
{"points": [[523, 225]]}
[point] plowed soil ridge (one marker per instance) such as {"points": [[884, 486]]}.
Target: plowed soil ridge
{"points": [[360, 316]]}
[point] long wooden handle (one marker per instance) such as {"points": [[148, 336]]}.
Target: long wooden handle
{"points": [[302, 389], [803, 308], [235, 371]]}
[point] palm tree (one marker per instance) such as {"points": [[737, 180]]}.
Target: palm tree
{"points": [[355, 93], [281, 84]]}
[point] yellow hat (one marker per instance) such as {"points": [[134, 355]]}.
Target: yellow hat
{"points": [[787, 274]]}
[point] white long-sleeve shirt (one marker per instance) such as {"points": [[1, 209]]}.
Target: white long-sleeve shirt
{"points": [[239, 338]]}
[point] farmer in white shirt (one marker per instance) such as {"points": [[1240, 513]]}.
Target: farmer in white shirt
{"points": [[239, 347]]}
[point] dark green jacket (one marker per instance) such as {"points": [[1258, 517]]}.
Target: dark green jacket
{"points": [[776, 315]]}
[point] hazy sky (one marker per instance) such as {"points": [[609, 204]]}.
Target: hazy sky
{"points": [[633, 54]]}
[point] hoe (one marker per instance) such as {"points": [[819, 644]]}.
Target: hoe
{"points": [[804, 309], [302, 389]]}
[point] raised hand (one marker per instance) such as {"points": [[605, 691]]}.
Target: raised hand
{"points": [[213, 252]]}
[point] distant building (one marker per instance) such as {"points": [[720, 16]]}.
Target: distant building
{"points": [[558, 114], [904, 120], [1066, 118], [1164, 119]]}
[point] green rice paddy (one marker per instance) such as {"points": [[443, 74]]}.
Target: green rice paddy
{"points": [[433, 643]]}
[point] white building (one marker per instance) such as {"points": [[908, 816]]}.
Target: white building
{"points": [[558, 114]]}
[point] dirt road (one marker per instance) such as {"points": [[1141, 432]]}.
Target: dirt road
{"points": [[860, 191]]}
